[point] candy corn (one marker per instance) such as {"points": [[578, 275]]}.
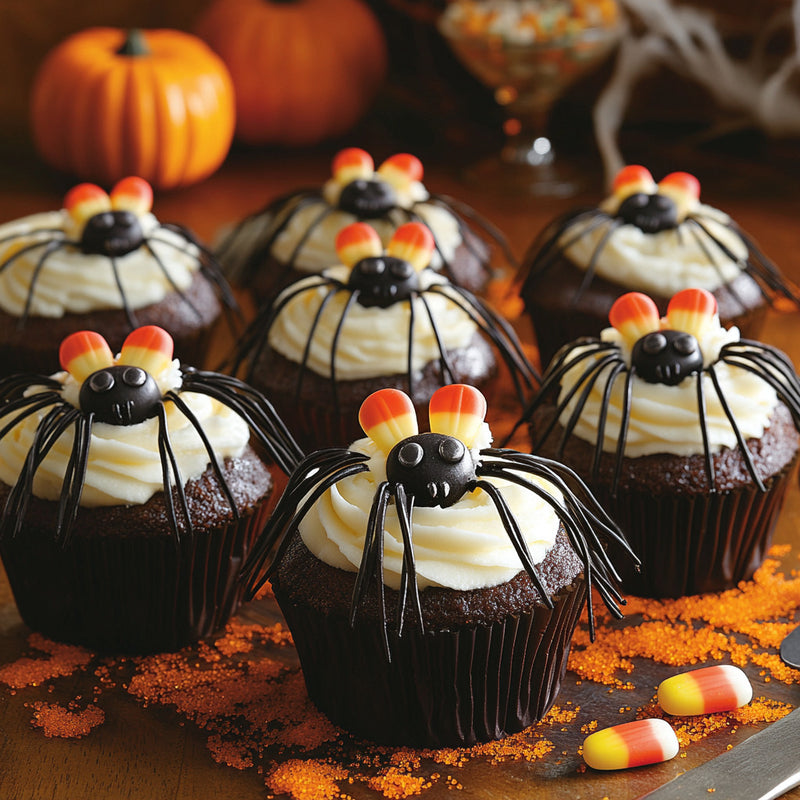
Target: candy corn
{"points": [[401, 170], [149, 347], [83, 353], [683, 189], [633, 179], [710, 690], [634, 315], [351, 164], [457, 410], [413, 242], [132, 194], [85, 200], [387, 417], [691, 311], [357, 241], [632, 744]]}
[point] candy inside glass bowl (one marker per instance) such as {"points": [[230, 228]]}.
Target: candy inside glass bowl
{"points": [[529, 52]]}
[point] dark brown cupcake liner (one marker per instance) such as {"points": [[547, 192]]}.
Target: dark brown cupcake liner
{"points": [[456, 687], [695, 543], [139, 593]]}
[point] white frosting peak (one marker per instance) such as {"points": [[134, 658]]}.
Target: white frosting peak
{"points": [[124, 466], [661, 263], [71, 282], [665, 419]]}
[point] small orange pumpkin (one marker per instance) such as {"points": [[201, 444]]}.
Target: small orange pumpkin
{"points": [[304, 70], [157, 103]]}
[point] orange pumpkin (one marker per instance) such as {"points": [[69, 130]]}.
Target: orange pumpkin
{"points": [[304, 70], [157, 103]]}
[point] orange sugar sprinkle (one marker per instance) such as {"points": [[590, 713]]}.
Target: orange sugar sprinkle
{"points": [[396, 784], [67, 723], [63, 659], [307, 780]]}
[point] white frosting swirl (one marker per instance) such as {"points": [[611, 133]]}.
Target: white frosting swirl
{"points": [[71, 282], [664, 419], [462, 547], [124, 466], [661, 263], [372, 341], [318, 250]]}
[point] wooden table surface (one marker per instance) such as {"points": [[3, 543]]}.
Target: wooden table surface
{"points": [[153, 751]]}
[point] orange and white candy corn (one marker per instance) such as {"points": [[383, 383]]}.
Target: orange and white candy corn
{"points": [[401, 170], [457, 410], [633, 179], [691, 311], [351, 164], [710, 690], [357, 241], [148, 347], [85, 200], [683, 189], [132, 194], [83, 353], [632, 744], [387, 417], [634, 315], [413, 242]]}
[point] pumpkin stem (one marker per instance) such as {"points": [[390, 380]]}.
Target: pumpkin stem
{"points": [[134, 44]]}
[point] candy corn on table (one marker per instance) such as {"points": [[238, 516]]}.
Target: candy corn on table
{"points": [[229, 717]]}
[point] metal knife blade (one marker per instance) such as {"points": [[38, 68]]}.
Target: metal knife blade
{"points": [[763, 767], [790, 648]]}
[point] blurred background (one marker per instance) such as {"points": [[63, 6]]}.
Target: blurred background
{"points": [[431, 105]]}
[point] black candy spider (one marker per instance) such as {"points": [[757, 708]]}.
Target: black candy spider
{"points": [[661, 352], [124, 392], [365, 194], [438, 468], [671, 204], [111, 226], [381, 280]]}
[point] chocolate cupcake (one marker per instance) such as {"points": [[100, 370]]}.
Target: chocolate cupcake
{"points": [[131, 493], [432, 583], [294, 236], [377, 320], [103, 263], [685, 432], [648, 237]]}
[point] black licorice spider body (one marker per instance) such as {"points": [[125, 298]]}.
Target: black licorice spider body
{"points": [[438, 468], [109, 226], [123, 392], [365, 194]]}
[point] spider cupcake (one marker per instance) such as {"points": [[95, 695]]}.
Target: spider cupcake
{"points": [[295, 234], [130, 493], [656, 238], [432, 583], [380, 319], [687, 434], [103, 263]]}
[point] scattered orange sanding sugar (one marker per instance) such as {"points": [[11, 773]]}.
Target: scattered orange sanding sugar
{"points": [[307, 780], [63, 659], [67, 723], [246, 692], [739, 623], [397, 784]]}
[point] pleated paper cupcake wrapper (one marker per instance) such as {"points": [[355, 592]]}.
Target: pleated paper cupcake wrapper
{"points": [[445, 688], [697, 543], [130, 594]]}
